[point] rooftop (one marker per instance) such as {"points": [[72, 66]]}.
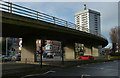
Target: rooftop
{"points": [[87, 10]]}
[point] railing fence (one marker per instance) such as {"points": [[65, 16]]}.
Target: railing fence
{"points": [[24, 11]]}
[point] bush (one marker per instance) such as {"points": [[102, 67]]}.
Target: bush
{"points": [[115, 54]]}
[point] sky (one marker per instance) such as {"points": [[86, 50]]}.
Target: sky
{"points": [[66, 10]]}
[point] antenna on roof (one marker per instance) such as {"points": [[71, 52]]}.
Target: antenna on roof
{"points": [[85, 7]]}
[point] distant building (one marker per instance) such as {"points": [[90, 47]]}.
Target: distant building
{"points": [[13, 45], [106, 51], [88, 21], [52, 47]]}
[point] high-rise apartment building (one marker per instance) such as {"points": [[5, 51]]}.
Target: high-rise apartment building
{"points": [[88, 21]]}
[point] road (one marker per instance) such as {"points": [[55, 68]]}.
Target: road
{"points": [[94, 70]]}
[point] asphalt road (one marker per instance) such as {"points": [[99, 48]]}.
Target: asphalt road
{"points": [[94, 70]]}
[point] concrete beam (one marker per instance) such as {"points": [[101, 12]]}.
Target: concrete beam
{"points": [[69, 50], [28, 50], [12, 23]]}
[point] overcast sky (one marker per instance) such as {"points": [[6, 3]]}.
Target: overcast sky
{"points": [[66, 10]]}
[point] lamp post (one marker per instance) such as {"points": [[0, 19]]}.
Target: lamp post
{"points": [[6, 46]]}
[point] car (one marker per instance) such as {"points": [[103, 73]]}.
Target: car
{"points": [[44, 55], [86, 58], [18, 58], [6, 58], [49, 56]]}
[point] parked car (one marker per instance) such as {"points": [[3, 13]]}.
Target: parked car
{"points": [[6, 58], [49, 56], [86, 57], [16, 58], [44, 55]]}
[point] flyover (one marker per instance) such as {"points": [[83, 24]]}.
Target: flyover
{"points": [[16, 23]]}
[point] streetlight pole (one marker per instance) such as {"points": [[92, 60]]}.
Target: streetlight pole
{"points": [[41, 56], [62, 47], [6, 46]]}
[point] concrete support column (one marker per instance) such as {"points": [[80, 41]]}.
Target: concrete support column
{"points": [[100, 49], [28, 50], [69, 50], [95, 51], [88, 50]]}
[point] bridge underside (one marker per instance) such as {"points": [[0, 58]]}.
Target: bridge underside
{"points": [[31, 29]]}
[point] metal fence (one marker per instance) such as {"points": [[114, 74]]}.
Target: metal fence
{"points": [[24, 11]]}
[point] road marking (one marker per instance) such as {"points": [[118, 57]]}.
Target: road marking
{"points": [[102, 68], [39, 74], [84, 75], [78, 66], [115, 61], [49, 72]]}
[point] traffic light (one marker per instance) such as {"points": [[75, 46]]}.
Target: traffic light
{"points": [[43, 43]]}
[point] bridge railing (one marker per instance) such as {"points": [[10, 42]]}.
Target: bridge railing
{"points": [[24, 11]]}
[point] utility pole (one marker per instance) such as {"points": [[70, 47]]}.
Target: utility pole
{"points": [[62, 46], [41, 55], [6, 46]]}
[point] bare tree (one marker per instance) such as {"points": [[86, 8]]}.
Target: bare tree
{"points": [[114, 37], [119, 38]]}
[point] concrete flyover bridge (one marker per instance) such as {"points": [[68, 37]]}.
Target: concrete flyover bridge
{"points": [[21, 22]]}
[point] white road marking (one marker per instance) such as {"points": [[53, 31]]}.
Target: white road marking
{"points": [[101, 68], [78, 66], [39, 74], [49, 72], [84, 75], [115, 61]]}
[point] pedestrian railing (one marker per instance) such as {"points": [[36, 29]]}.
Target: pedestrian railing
{"points": [[24, 11]]}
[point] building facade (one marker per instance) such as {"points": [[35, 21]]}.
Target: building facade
{"points": [[88, 21], [12, 46], [52, 48]]}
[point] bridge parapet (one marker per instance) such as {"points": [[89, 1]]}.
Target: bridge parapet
{"points": [[27, 12]]}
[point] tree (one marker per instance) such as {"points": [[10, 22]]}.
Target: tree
{"points": [[115, 37], [119, 38]]}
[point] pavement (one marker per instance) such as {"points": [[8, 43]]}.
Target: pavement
{"points": [[10, 68], [95, 70]]}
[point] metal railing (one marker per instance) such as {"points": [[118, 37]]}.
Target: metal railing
{"points": [[24, 11]]}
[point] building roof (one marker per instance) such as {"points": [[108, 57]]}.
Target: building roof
{"points": [[87, 10]]}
